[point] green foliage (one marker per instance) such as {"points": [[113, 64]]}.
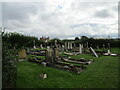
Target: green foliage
{"points": [[76, 38], [17, 40], [9, 69]]}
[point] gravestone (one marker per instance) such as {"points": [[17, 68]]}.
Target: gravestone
{"points": [[22, 54], [108, 45], [68, 45], [41, 46], [43, 76], [80, 48], [109, 52], [103, 46], [34, 45], [98, 47], [87, 44], [56, 53], [65, 46], [94, 52], [49, 55]]}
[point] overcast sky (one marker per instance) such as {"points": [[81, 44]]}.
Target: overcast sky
{"points": [[64, 20]]}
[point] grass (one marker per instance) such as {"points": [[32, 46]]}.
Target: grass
{"points": [[103, 73]]}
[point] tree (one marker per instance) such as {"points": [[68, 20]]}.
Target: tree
{"points": [[76, 38]]}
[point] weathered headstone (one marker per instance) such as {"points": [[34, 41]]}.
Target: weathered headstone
{"points": [[41, 46], [98, 47], [109, 52], [43, 76], [108, 45], [68, 45], [94, 52], [56, 52], [49, 54], [87, 44], [63, 47], [22, 54], [103, 46], [80, 48], [34, 44]]}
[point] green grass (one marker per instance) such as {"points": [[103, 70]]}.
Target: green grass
{"points": [[103, 73], [33, 56]]}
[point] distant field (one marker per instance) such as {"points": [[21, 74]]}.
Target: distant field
{"points": [[103, 73]]}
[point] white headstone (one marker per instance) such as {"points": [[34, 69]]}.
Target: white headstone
{"points": [[108, 52], [94, 52], [41, 46], [80, 48], [34, 47]]}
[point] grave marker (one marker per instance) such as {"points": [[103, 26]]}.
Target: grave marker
{"points": [[80, 48], [22, 54], [94, 52]]}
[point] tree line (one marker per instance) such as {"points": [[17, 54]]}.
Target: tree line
{"points": [[17, 40]]}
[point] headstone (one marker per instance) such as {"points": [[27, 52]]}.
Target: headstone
{"points": [[41, 46], [87, 44], [108, 45], [43, 76], [44, 64], [65, 46], [48, 47], [108, 52], [103, 46], [80, 48], [55, 42], [56, 53], [34, 47], [94, 52], [98, 47], [22, 54], [34, 44], [49, 54], [68, 45]]}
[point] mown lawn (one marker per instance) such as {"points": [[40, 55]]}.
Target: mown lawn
{"points": [[103, 73]]}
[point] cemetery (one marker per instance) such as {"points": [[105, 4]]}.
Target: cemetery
{"points": [[65, 65]]}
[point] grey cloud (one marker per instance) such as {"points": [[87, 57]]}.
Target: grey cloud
{"points": [[19, 11], [53, 21], [103, 14]]}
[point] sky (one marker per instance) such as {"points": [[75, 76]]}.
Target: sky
{"points": [[61, 19]]}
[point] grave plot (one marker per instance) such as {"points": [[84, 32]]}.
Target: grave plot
{"points": [[36, 55], [39, 52], [53, 59]]}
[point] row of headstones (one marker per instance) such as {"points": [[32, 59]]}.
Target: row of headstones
{"points": [[70, 45]]}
